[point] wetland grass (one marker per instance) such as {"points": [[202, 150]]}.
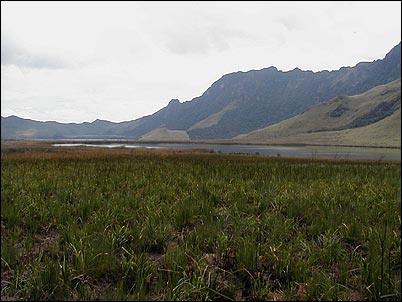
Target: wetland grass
{"points": [[150, 225]]}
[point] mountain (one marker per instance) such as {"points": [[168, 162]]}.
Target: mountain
{"points": [[237, 103], [244, 101], [371, 119], [15, 127]]}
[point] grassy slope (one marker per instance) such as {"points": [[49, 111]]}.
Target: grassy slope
{"points": [[303, 128], [165, 134], [385, 133]]}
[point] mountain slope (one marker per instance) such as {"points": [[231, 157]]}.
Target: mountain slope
{"points": [[371, 118], [384, 133]]}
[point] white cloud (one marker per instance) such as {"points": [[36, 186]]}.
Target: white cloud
{"points": [[13, 54], [201, 40]]}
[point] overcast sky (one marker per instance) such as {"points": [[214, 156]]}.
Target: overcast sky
{"points": [[79, 61]]}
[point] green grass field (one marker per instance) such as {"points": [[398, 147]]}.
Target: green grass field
{"points": [[134, 225]]}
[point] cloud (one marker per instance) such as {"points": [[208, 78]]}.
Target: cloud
{"points": [[14, 54], [185, 43], [290, 22], [201, 40]]}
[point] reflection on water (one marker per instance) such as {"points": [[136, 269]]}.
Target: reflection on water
{"points": [[108, 146], [285, 151]]}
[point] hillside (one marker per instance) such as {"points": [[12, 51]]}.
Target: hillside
{"points": [[371, 119], [385, 133], [237, 103]]}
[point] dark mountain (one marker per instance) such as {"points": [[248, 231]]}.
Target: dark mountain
{"points": [[241, 102]]}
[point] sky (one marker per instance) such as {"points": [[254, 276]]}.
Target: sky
{"points": [[118, 61]]}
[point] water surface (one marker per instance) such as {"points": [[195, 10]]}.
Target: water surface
{"points": [[331, 152]]}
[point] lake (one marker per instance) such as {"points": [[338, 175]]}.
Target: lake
{"points": [[331, 152]]}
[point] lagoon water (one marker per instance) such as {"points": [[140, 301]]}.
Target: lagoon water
{"points": [[331, 152]]}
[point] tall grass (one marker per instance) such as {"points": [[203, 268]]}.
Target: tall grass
{"points": [[169, 226]]}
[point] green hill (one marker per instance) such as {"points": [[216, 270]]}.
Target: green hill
{"points": [[370, 119]]}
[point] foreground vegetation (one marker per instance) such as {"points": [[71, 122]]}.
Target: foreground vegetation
{"points": [[83, 224]]}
